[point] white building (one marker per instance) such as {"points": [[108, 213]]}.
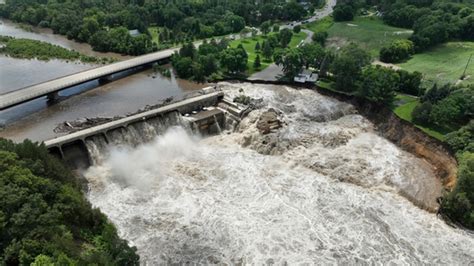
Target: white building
{"points": [[306, 76]]}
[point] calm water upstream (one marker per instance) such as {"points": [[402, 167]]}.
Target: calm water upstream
{"points": [[36, 120]]}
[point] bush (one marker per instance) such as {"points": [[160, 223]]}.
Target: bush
{"points": [[343, 12], [422, 113], [397, 51], [320, 37], [410, 82], [459, 204]]}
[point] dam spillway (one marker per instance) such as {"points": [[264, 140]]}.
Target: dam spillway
{"points": [[204, 112], [303, 179]]}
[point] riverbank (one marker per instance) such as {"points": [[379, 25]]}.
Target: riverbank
{"points": [[34, 49], [401, 132]]}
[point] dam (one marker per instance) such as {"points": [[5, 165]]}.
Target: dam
{"points": [[205, 112], [302, 179]]}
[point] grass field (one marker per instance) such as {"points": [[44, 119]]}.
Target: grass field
{"points": [[369, 32], [404, 105], [249, 46], [154, 34], [443, 64], [320, 25]]}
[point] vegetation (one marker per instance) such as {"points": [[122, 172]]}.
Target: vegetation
{"points": [[370, 33], [397, 51], [106, 25], [459, 203], [444, 63], [29, 49], [267, 46], [44, 217]]}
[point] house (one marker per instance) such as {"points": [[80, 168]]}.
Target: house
{"points": [[134, 33], [306, 76]]}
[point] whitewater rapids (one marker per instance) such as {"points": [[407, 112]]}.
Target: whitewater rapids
{"points": [[323, 189]]}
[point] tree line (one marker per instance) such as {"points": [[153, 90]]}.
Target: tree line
{"points": [[45, 218], [105, 23]]}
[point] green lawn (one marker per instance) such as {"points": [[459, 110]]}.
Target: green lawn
{"points": [[249, 46], [369, 32], [403, 107], [154, 34], [320, 25], [444, 63]]}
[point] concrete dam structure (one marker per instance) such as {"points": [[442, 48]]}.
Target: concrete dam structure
{"points": [[205, 112]]}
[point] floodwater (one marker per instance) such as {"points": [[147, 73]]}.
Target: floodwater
{"points": [[323, 189], [37, 119]]}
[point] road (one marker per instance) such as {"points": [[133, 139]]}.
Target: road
{"points": [[273, 71]]}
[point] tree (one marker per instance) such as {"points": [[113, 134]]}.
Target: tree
{"points": [[183, 66], [320, 37], [347, 67], [313, 55], [462, 139], [257, 47], [410, 82], [276, 28], [265, 27], [379, 84], [297, 29], [397, 51], [421, 114], [234, 60], [188, 50], [267, 50], [285, 37], [343, 12], [256, 63], [292, 62]]}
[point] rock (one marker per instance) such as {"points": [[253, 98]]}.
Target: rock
{"points": [[268, 121]]}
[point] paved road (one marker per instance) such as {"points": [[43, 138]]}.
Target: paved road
{"points": [[273, 71]]}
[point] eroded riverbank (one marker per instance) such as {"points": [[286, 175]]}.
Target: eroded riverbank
{"points": [[323, 188]]}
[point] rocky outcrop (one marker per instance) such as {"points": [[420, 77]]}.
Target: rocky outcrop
{"points": [[268, 121]]}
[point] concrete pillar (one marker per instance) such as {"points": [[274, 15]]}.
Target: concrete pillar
{"points": [[53, 96]]}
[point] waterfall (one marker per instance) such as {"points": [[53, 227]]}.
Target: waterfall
{"points": [[132, 135], [219, 130]]}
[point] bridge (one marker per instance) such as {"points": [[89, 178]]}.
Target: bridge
{"points": [[52, 87]]}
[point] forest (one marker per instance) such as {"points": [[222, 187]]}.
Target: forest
{"points": [[45, 218], [105, 24]]}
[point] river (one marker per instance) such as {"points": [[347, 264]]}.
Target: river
{"points": [[323, 189], [36, 120]]}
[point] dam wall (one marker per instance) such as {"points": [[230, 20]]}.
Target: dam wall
{"points": [[200, 112]]}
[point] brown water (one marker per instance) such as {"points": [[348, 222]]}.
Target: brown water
{"points": [[37, 119], [9, 28]]}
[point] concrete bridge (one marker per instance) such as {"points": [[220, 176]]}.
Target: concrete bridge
{"points": [[52, 87]]}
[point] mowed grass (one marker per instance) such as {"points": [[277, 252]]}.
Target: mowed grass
{"points": [[403, 108], [249, 46], [444, 63], [370, 33], [154, 31], [320, 25]]}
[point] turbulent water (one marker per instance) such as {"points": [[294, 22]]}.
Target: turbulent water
{"points": [[322, 189]]}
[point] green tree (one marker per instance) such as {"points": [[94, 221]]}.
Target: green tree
{"points": [[397, 51], [183, 66], [234, 60], [347, 67], [297, 29], [257, 47], [276, 28], [256, 63], [292, 62], [320, 37], [265, 27], [267, 50], [285, 37], [313, 54], [421, 114], [379, 84]]}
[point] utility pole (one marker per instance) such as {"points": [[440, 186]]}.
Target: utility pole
{"points": [[464, 73]]}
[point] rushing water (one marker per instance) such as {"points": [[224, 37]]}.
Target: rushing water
{"points": [[322, 189]]}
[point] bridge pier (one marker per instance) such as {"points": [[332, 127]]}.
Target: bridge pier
{"points": [[53, 97], [105, 79]]}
